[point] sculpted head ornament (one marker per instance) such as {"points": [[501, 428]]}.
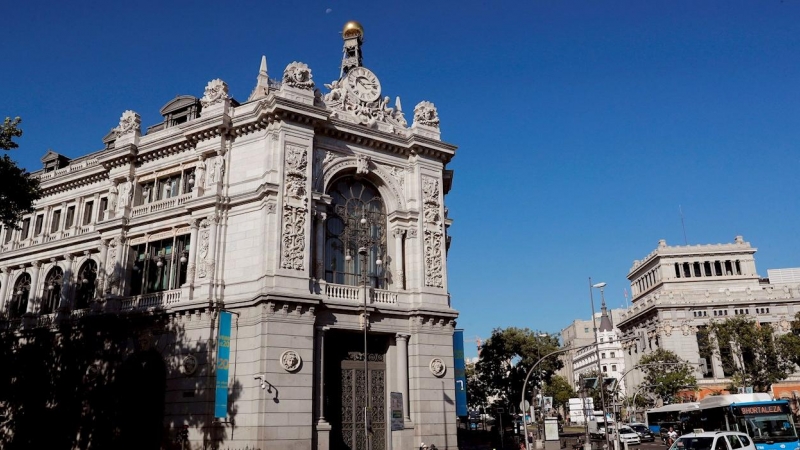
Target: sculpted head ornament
{"points": [[216, 92], [130, 122], [298, 75], [425, 113]]}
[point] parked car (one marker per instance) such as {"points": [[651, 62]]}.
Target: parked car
{"points": [[624, 434], [645, 435], [600, 433], [714, 440]]}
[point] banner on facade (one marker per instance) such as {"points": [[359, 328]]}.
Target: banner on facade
{"points": [[223, 361], [397, 410], [459, 373]]}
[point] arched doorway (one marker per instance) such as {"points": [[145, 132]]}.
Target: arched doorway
{"points": [[19, 299], [52, 290], [85, 290]]}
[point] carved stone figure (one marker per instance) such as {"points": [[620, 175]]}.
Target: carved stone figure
{"points": [[216, 92], [112, 273], [425, 113], [215, 175], [293, 234], [189, 365], [298, 75], [130, 122], [433, 232], [125, 194], [200, 172], [296, 162], [112, 196], [290, 361], [364, 109], [205, 233], [437, 367], [336, 93], [362, 164]]}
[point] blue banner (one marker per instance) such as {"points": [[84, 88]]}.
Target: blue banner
{"points": [[459, 373], [223, 360]]}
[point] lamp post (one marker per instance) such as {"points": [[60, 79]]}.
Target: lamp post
{"points": [[597, 348], [363, 234]]}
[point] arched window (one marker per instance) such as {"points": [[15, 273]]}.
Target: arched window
{"points": [[84, 293], [19, 299], [355, 235], [52, 290]]}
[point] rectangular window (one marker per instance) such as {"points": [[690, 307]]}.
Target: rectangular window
{"points": [[101, 211], [168, 187], [605, 369], [55, 222], [70, 217], [37, 229], [612, 355], [9, 234], [602, 356], [613, 367], [26, 228], [159, 265], [586, 330], [87, 213], [188, 181]]}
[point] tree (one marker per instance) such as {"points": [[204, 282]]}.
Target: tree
{"points": [[561, 391], [666, 374], [750, 353], [18, 190], [789, 343], [476, 390], [507, 356]]}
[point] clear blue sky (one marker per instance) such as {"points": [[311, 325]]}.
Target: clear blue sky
{"points": [[582, 125]]}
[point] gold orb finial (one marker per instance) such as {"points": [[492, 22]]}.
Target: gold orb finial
{"points": [[352, 29]]}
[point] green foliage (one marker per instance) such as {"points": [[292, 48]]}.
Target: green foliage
{"points": [[756, 358], [561, 391], [18, 190], [666, 374], [789, 343], [476, 389], [506, 358]]}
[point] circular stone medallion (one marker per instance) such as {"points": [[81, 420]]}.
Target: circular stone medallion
{"points": [[189, 365], [437, 367], [290, 361]]}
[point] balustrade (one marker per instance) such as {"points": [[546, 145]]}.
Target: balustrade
{"points": [[353, 293]]}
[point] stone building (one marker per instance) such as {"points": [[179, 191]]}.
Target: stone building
{"points": [[580, 333], [677, 290], [309, 215]]}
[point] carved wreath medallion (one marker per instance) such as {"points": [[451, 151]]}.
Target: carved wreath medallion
{"points": [[189, 365], [290, 361], [437, 367]]}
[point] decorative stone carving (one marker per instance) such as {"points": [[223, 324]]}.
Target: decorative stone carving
{"points": [[425, 113], [438, 369], [295, 208], [290, 361], [216, 92], [329, 156], [130, 122], [125, 194], [200, 172], [784, 324], [433, 232], [347, 106], [202, 254], [216, 171], [112, 274], [189, 365], [112, 197], [687, 328], [362, 164], [298, 75]]}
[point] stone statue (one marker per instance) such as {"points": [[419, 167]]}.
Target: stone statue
{"points": [[200, 172], [130, 122], [112, 197], [425, 113], [298, 75], [215, 175], [216, 92], [125, 194]]}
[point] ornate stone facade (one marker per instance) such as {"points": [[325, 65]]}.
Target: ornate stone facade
{"points": [[233, 206]]}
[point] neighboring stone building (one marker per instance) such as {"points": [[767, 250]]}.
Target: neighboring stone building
{"points": [[677, 290], [307, 214], [580, 333]]}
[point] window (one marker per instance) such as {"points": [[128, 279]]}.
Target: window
{"points": [[612, 355], [26, 228], [358, 215], [70, 217], [37, 230], [101, 211], [169, 187], [696, 267], [733, 441], [720, 444], [159, 265], [613, 367], [19, 297], [9, 235], [707, 268], [55, 222], [52, 290], [605, 369], [87, 276], [586, 329], [88, 207], [602, 355]]}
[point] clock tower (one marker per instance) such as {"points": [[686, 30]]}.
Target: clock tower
{"points": [[353, 35]]}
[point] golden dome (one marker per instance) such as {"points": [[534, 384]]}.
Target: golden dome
{"points": [[352, 29]]}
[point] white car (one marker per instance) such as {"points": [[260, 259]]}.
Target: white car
{"points": [[625, 434], [714, 440]]}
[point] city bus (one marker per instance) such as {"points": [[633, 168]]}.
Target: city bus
{"points": [[769, 422], [669, 415]]}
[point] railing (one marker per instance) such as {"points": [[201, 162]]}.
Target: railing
{"points": [[160, 205], [65, 170], [353, 293], [154, 300], [46, 320]]}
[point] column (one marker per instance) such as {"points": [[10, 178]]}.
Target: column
{"points": [[4, 272], [192, 251], [67, 283], [32, 297], [101, 270], [319, 269], [398, 256], [402, 373], [212, 247], [96, 208], [63, 219], [323, 427], [48, 216]]}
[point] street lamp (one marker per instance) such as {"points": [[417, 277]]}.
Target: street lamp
{"points": [[363, 234], [600, 286]]}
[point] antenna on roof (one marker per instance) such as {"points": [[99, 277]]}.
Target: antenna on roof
{"points": [[683, 225]]}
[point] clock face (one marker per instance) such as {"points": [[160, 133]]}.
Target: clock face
{"points": [[363, 84]]}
